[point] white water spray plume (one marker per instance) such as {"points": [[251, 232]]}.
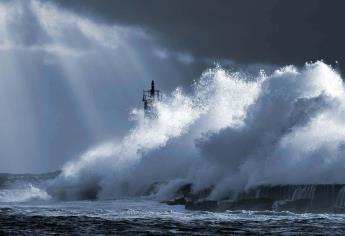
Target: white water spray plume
{"points": [[232, 132]]}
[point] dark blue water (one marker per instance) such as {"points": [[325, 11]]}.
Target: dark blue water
{"points": [[140, 216], [26, 209]]}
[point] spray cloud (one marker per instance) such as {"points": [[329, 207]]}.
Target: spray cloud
{"points": [[232, 132]]}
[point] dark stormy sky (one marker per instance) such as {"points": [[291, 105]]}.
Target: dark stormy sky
{"points": [[72, 70], [247, 31]]}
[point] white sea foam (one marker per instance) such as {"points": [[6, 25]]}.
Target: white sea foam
{"points": [[25, 193]]}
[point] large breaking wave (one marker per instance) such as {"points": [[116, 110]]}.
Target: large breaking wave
{"points": [[24, 187], [232, 132]]}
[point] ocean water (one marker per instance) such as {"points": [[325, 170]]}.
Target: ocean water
{"points": [[142, 216], [26, 209]]}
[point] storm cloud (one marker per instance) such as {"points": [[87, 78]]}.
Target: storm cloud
{"points": [[268, 31], [83, 63]]}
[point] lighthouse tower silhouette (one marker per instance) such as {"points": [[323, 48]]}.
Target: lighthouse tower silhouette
{"points": [[149, 98]]}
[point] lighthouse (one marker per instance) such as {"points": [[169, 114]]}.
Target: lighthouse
{"points": [[149, 98]]}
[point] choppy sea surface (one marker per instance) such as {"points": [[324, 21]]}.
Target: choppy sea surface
{"points": [[26, 209], [140, 216]]}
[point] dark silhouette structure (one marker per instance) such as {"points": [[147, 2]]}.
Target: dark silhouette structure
{"points": [[149, 97]]}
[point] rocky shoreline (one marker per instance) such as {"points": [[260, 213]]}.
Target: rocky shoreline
{"points": [[317, 198]]}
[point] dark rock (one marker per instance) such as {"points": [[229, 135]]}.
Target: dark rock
{"points": [[185, 190], [225, 205], [313, 198], [177, 201], [338, 210], [254, 204], [297, 206], [324, 198], [206, 205]]}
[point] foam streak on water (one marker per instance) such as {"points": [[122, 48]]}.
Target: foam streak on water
{"points": [[139, 216]]}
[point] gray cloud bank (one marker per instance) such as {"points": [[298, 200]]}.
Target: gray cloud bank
{"points": [[268, 31]]}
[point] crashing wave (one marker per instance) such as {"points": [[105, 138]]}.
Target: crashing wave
{"points": [[25, 193], [232, 132]]}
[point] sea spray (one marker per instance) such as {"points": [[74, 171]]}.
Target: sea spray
{"points": [[25, 193], [108, 170], [108, 165], [232, 132], [293, 134], [24, 187]]}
